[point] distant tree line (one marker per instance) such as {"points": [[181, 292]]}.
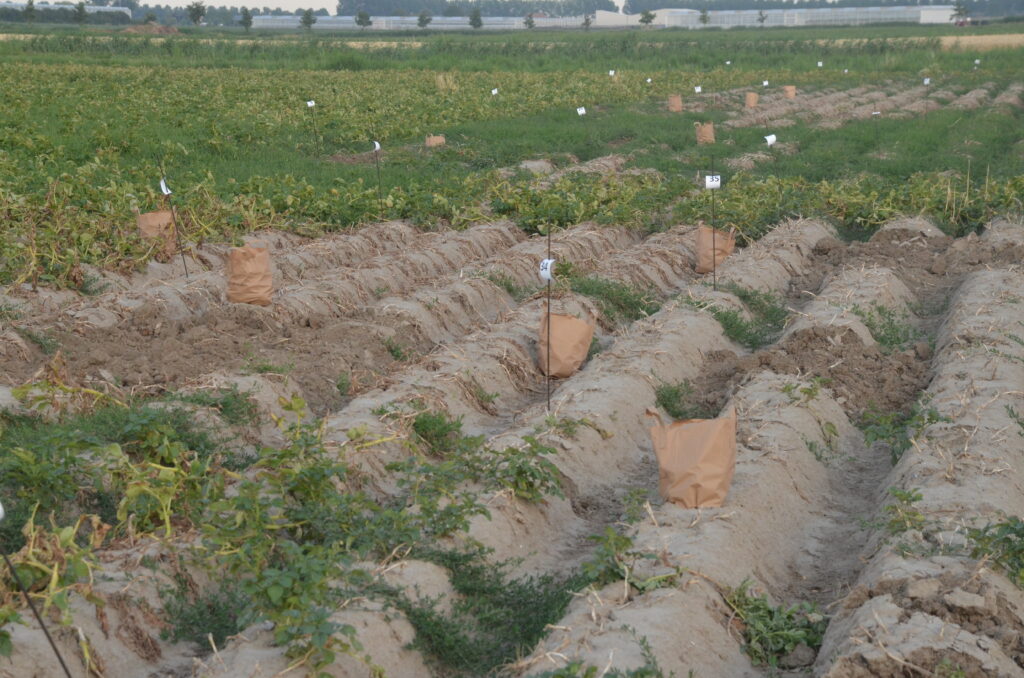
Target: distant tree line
{"points": [[425, 9], [62, 14], [517, 8]]}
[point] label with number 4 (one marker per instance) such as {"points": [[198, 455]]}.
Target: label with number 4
{"points": [[713, 181], [547, 269]]}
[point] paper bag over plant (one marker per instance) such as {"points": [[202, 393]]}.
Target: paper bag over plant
{"points": [[249, 277], [696, 459], [751, 99], [434, 140], [570, 343], [705, 132], [158, 227], [675, 103], [713, 246]]}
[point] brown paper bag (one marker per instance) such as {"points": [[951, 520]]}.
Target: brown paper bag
{"points": [[249, 278], [158, 226], [570, 343], [705, 132], [790, 91], [752, 98], [675, 103], [434, 140], [696, 459], [713, 246]]}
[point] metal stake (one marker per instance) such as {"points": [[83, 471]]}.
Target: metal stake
{"points": [[177, 237], [316, 131], [547, 372], [380, 196], [714, 233]]}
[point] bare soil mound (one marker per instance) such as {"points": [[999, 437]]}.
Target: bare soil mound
{"points": [[878, 392]]}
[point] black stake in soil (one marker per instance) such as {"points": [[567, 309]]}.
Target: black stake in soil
{"points": [[316, 132], [548, 370], [174, 216], [21, 587], [380, 195], [714, 233]]}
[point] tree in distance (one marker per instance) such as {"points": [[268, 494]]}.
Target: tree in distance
{"points": [[646, 17], [30, 11], [528, 21], [424, 19], [246, 20], [363, 19], [475, 19], [196, 11], [587, 21], [80, 16], [960, 13], [307, 20], [761, 17], [150, 18], [704, 17]]}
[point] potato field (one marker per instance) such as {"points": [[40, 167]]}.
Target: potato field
{"points": [[368, 474]]}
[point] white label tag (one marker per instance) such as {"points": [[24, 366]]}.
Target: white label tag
{"points": [[2, 514], [611, 73], [728, 63], [376, 147], [977, 62], [547, 268], [820, 64], [770, 139], [648, 81], [311, 103], [163, 186], [846, 70], [764, 83], [494, 92], [582, 110], [876, 112], [697, 89], [927, 81], [713, 181]]}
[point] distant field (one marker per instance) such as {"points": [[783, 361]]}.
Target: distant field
{"points": [[91, 117]]}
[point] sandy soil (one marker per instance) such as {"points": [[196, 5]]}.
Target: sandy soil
{"points": [[801, 519]]}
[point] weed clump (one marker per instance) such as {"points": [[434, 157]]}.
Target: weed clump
{"points": [[620, 303], [890, 329], [772, 632], [768, 316], [679, 401], [220, 612], [1003, 544], [495, 619], [898, 429]]}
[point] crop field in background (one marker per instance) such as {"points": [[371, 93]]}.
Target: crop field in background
{"points": [[363, 478], [83, 144]]}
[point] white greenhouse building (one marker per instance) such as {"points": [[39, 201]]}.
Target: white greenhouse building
{"points": [[663, 18]]}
